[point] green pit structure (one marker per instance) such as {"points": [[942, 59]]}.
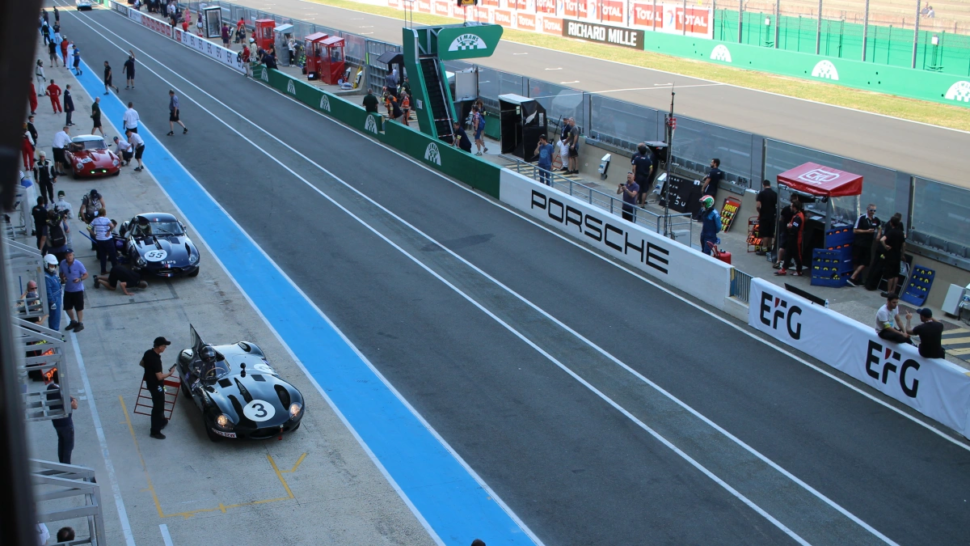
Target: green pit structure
{"points": [[425, 49]]}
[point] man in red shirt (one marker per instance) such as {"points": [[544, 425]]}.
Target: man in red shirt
{"points": [[54, 92], [64, 44]]}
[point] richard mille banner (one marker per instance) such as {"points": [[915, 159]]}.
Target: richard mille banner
{"points": [[936, 388], [594, 32]]}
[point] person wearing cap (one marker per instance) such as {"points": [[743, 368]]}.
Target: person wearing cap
{"points": [[711, 224], [124, 150], [52, 281], [930, 332], [888, 324], [154, 382], [73, 275]]}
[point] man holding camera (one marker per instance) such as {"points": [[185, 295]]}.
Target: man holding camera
{"points": [[629, 191]]}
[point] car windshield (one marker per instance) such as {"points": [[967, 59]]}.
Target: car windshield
{"points": [[222, 369], [97, 144], [147, 229]]}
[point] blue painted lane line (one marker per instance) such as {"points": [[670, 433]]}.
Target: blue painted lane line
{"points": [[455, 506]]}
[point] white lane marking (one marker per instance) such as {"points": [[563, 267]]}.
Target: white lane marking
{"points": [[166, 538], [656, 87], [103, 442], [748, 448], [367, 26], [700, 79], [565, 83], [366, 33], [523, 53], [558, 68]]}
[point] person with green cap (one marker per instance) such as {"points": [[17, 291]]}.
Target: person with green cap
{"points": [[711, 224]]}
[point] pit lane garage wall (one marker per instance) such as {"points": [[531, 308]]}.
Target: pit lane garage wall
{"points": [[934, 387], [674, 264]]}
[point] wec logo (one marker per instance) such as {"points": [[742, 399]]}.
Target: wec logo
{"points": [[887, 359], [370, 125], [324, 103], [432, 154], [825, 70], [774, 309], [291, 88], [721, 53], [466, 42], [960, 91]]}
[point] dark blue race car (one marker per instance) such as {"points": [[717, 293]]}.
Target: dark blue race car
{"points": [[156, 243]]}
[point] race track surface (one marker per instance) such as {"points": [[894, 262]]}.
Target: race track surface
{"points": [[600, 408]]}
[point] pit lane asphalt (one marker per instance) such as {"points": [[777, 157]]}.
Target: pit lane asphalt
{"points": [[920, 149], [574, 469]]}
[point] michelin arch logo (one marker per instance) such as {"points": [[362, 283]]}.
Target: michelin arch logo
{"points": [[370, 125], [960, 92], [432, 154], [466, 42], [721, 53], [291, 87], [264, 75], [324, 103], [825, 70]]}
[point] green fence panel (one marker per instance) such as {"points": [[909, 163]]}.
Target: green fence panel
{"points": [[493, 127], [477, 173]]}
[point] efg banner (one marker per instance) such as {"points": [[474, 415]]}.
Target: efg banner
{"points": [[594, 32], [934, 387]]}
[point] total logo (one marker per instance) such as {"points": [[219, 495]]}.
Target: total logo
{"points": [[432, 154], [324, 103], [465, 42], [883, 361], [774, 310], [291, 87], [370, 125], [721, 53], [960, 92], [826, 71]]}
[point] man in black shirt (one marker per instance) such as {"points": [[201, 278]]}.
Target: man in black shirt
{"points": [[370, 102], [866, 229], [39, 214], [461, 138], [65, 425], [930, 333], [154, 378], [786, 215], [767, 203], [642, 170], [714, 177], [120, 275], [108, 85]]}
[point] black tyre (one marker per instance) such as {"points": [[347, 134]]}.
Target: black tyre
{"points": [[212, 435], [195, 273]]}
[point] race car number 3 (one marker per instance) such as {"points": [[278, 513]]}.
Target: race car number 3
{"points": [[155, 255], [259, 411]]}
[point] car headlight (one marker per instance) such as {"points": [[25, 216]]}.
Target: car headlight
{"points": [[115, 162], [194, 258], [295, 409], [223, 421], [141, 262]]}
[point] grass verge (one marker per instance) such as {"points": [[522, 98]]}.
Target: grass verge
{"points": [[955, 117]]}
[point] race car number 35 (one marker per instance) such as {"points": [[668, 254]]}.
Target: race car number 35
{"points": [[259, 411], [155, 255]]}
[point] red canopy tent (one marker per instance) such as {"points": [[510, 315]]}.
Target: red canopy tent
{"points": [[821, 180]]}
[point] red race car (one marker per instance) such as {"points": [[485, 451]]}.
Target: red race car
{"points": [[89, 156]]}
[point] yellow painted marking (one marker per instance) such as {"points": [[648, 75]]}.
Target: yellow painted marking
{"points": [[956, 331], [959, 352], [956, 340], [224, 508]]}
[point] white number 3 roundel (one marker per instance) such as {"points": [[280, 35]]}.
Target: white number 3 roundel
{"points": [[155, 255], [259, 411]]}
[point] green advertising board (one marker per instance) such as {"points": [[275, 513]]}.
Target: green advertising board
{"points": [[468, 41]]}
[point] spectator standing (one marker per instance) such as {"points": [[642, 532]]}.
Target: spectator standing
{"points": [[52, 52], [65, 425], [370, 102], [173, 114], [544, 151], [39, 214], [46, 175], [77, 61], [64, 44], [767, 204], [62, 141], [391, 82], [135, 140], [39, 75], [27, 149], [101, 230], [124, 150], [893, 244], [130, 119], [711, 225], [54, 92], [405, 107], [129, 70], [629, 191], [573, 147], [461, 137], [57, 38], [713, 179], [225, 35], [867, 229], [888, 325], [796, 227], [68, 105], [57, 16], [269, 59], [120, 275], [154, 382], [73, 275], [54, 291], [108, 79], [478, 119], [32, 99], [785, 216], [64, 208], [930, 332], [32, 130], [96, 116], [240, 35], [642, 165]]}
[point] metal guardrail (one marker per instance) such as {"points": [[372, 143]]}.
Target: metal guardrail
{"points": [[57, 488], [740, 285], [680, 225]]}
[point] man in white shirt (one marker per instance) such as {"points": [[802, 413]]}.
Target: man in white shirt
{"points": [[61, 205], [131, 119], [124, 150], [888, 324], [101, 230], [139, 145], [62, 140]]}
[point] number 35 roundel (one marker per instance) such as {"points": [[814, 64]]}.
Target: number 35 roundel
{"points": [[259, 411]]}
